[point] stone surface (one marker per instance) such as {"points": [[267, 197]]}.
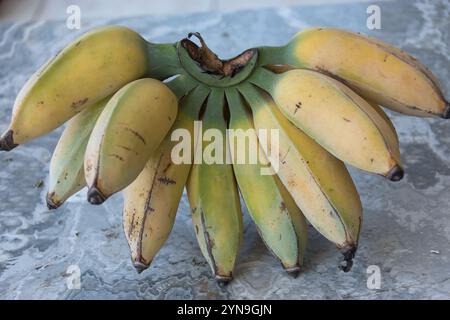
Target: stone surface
{"points": [[406, 229]]}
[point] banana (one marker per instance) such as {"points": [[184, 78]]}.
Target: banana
{"points": [[66, 176], [129, 129], [319, 183], [376, 70], [335, 117], [392, 131], [214, 198], [151, 201], [269, 204], [89, 69]]}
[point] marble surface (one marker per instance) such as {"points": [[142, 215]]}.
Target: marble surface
{"points": [[406, 230]]}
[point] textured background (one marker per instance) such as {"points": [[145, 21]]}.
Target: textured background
{"points": [[406, 228]]}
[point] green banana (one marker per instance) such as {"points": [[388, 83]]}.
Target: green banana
{"points": [[214, 198], [270, 206], [67, 164]]}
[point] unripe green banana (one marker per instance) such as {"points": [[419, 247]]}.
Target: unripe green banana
{"points": [[91, 68], [319, 183], [336, 118], [214, 198], [151, 201], [374, 69], [129, 129], [66, 166], [269, 204]]}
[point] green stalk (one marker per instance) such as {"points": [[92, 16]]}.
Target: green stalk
{"points": [[196, 99], [182, 85], [252, 96], [162, 60], [264, 79], [273, 55]]}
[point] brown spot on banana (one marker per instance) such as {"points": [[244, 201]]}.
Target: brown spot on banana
{"points": [[166, 181], [116, 156], [140, 137], [79, 103]]}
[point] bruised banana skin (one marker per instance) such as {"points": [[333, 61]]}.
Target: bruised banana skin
{"points": [[151, 201], [336, 118], [280, 223], [318, 182], [214, 200], [376, 70], [129, 129], [66, 174], [91, 68]]}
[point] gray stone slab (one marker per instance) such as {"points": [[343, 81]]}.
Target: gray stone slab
{"points": [[403, 223]]}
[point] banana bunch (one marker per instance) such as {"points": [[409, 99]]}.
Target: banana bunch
{"points": [[273, 125]]}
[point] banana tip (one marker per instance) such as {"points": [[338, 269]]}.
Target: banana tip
{"points": [[396, 173], [293, 271], [139, 266], [51, 204], [95, 196], [349, 253], [223, 280], [446, 113], [7, 141]]}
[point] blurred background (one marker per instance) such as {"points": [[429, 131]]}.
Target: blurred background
{"points": [[24, 10]]}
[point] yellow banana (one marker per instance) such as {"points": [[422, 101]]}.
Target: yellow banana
{"points": [[335, 117], [151, 201], [128, 131], [66, 166], [86, 71], [374, 69], [280, 223], [319, 183], [214, 198]]}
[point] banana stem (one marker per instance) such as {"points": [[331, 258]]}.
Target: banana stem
{"points": [[251, 95], [264, 79], [162, 60], [215, 106], [235, 103], [272, 55], [182, 85]]}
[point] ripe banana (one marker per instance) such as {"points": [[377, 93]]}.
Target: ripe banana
{"points": [[374, 69], [66, 166], [214, 198], [319, 183], [335, 117], [129, 129], [151, 201], [280, 223], [89, 69], [120, 137]]}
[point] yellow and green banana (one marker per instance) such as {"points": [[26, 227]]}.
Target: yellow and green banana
{"points": [[280, 223], [376, 70], [128, 100], [214, 197], [151, 201], [66, 174], [129, 129]]}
